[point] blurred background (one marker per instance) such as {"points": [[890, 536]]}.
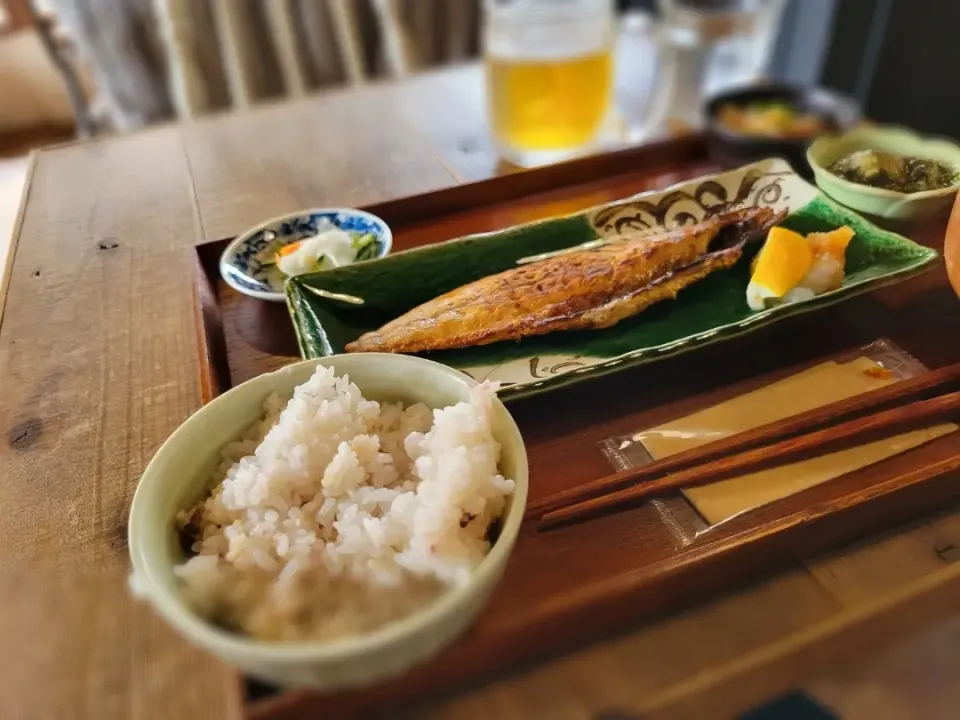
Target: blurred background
{"points": [[95, 66], [81, 68]]}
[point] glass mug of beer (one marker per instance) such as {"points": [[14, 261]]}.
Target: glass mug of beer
{"points": [[549, 67]]}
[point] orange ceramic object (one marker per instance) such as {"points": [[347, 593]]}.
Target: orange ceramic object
{"points": [[951, 246]]}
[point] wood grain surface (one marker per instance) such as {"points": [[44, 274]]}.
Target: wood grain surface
{"points": [[832, 645], [99, 364], [12, 187], [346, 148], [99, 356]]}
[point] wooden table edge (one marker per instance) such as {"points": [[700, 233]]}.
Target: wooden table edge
{"points": [[813, 652], [7, 270]]}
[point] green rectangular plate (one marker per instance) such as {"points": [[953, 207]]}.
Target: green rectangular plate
{"points": [[714, 309]]}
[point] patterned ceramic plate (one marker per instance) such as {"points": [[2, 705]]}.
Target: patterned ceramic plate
{"points": [[712, 310], [242, 266]]}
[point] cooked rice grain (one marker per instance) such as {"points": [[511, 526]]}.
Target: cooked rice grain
{"points": [[337, 514]]}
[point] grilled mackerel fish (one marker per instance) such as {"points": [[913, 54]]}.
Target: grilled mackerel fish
{"points": [[579, 290]]}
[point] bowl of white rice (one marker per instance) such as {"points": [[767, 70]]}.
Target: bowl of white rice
{"points": [[333, 523]]}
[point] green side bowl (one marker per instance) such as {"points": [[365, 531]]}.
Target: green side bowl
{"points": [[879, 202]]}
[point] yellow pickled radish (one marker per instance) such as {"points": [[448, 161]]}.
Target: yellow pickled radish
{"points": [[780, 265]]}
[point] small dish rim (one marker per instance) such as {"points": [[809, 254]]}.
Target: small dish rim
{"points": [[176, 611], [228, 271], [883, 130]]}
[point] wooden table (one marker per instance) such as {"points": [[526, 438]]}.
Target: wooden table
{"points": [[99, 361]]}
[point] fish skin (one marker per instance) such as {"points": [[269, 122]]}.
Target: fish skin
{"points": [[589, 289]]}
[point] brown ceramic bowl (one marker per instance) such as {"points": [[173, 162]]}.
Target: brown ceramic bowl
{"points": [[731, 148]]}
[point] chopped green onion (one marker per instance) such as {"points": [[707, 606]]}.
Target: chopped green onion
{"points": [[363, 240], [362, 243]]}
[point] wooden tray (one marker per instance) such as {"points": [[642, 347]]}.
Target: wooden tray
{"points": [[578, 584]]}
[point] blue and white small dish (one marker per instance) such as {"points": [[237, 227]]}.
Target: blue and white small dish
{"points": [[246, 267]]}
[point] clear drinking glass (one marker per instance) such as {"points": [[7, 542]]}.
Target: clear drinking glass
{"points": [[707, 46], [549, 70]]}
